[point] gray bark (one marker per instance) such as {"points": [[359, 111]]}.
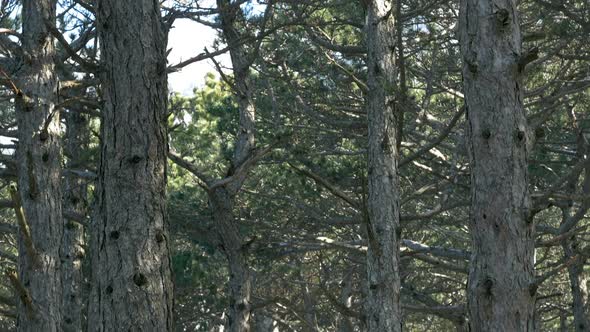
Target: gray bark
{"points": [[579, 288], [39, 158], [344, 322], [309, 306], [264, 323], [383, 311], [500, 295], [221, 199], [132, 286], [72, 250], [229, 14], [240, 280]]}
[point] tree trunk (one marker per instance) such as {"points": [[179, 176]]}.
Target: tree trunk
{"points": [[500, 296], [579, 288], [72, 251], [221, 200], [344, 322], [39, 160], [240, 278], [264, 323], [383, 310], [132, 276], [245, 143]]}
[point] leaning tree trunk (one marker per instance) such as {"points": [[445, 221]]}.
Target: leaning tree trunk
{"points": [[73, 240], [39, 160], [501, 292], [383, 312], [131, 259]]}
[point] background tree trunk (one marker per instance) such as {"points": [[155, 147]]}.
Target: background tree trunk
{"points": [[382, 307], [579, 287], [500, 295], [39, 165], [132, 276], [72, 251], [240, 278]]}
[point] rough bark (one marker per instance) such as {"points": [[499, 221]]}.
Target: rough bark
{"points": [[73, 240], [383, 312], [39, 169], [500, 295], [344, 322], [132, 286], [579, 288], [240, 280], [309, 306], [264, 323], [221, 199], [245, 143]]}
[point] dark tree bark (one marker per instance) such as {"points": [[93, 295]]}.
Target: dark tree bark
{"points": [[75, 200], [240, 281], [344, 322], [131, 259], [579, 286], [39, 170], [500, 295], [383, 312]]}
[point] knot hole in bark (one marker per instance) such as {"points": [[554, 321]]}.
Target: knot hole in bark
{"points": [[109, 289], [241, 306], [160, 236], [533, 289], [44, 135], [486, 133], [80, 254], [135, 159], [487, 285], [139, 279], [496, 228], [114, 235], [520, 135], [502, 17]]}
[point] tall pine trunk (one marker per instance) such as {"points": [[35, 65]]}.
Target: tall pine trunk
{"points": [[73, 240], [500, 296], [131, 259], [383, 312], [39, 171]]}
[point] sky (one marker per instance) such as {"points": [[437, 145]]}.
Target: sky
{"points": [[188, 39]]}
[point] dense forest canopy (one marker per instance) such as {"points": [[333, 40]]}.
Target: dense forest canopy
{"points": [[354, 165]]}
